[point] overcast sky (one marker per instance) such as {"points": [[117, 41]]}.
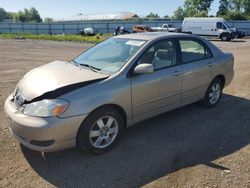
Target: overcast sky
{"points": [[65, 8]]}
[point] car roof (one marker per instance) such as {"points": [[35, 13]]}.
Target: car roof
{"points": [[150, 35]]}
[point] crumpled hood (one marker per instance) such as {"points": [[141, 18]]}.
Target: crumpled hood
{"points": [[53, 76]]}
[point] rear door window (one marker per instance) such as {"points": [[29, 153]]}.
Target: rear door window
{"points": [[192, 50]]}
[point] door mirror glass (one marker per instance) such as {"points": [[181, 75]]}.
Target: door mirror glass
{"points": [[144, 68]]}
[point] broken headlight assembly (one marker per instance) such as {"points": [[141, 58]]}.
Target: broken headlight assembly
{"points": [[46, 108]]}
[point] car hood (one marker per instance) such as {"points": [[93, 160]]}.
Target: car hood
{"points": [[232, 29], [57, 75]]}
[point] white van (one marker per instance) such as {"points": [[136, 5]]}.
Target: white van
{"points": [[209, 27]]}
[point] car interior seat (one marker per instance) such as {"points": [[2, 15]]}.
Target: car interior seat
{"points": [[164, 55], [163, 58]]}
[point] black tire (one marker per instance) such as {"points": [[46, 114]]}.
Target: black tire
{"points": [[233, 36], [229, 38], [83, 139], [225, 37], [206, 101]]}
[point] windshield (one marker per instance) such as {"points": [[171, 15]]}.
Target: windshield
{"points": [[109, 56], [227, 24]]}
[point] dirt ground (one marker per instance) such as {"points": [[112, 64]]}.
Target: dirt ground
{"points": [[187, 147]]}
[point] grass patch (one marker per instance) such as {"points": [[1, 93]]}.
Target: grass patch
{"points": [[93, 39]]}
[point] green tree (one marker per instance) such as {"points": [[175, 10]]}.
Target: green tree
{"points": [[152, 15], [26, 15], [202, 14], [9, 15], [203, 5], [234, 9], [179, 14], [189, 8], [48, 20], [247, 7], [3, 14], [21, 16], [235, 15], [238, 5], [223, 8], [34, 15], [197, 7]]}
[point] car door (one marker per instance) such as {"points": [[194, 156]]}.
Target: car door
{"points": [[161, 90], [220, 28], [197, 69]]}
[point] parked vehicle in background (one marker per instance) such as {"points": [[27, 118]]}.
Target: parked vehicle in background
{"points": [[87, 31], [240, 34], [167, 28], [120, 30], [209, 27], [141, 29], [88, 101]]}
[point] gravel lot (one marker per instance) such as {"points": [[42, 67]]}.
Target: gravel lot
{"points": [[187, 147]]}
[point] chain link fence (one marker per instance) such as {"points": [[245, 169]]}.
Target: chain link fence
{"points": [[99, 27]]}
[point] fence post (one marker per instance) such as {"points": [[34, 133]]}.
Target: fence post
{"points": [[78, 29], [23, 27], [49, 29], [64, 28], [37, 29], [107, 27], [92, 26], [10, 28]]}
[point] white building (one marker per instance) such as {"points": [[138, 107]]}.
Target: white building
{"points": [[106, 16]]}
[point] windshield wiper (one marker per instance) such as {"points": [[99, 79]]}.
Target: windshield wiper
{"points": [[75, 63], [90, 67]]}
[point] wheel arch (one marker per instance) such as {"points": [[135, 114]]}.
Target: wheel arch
{"points": [[221, 78], [116, 107], [224, 33]]}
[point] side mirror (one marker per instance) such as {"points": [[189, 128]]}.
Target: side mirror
{"points": [[144, 68]]}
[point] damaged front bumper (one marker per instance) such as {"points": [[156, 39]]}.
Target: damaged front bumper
{"points": [[42, 134]]}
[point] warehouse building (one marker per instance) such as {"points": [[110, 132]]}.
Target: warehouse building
{"points": [[106, 16]]}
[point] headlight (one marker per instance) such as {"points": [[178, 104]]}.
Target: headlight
{"points": [[46, 108]]}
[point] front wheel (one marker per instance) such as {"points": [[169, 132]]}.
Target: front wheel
{"points": [[100, 131], [213, 94], [224, 37]]}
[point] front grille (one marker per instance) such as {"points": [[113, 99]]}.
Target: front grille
{"points": [[18, 99]]}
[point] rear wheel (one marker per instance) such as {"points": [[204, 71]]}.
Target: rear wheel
{"points": [[100, 131], [213, 94]]}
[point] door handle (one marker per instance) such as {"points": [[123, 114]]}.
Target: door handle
{"points": [[177, 73], [210, 64]]}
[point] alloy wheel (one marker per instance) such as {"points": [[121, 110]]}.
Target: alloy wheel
{"points": [[214, 93], [103, 132]]}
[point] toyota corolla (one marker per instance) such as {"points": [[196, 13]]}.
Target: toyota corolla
{"points": [[88, 101]]}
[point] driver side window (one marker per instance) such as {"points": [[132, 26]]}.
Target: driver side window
{"points": [[220, 25], [161, 55]]}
